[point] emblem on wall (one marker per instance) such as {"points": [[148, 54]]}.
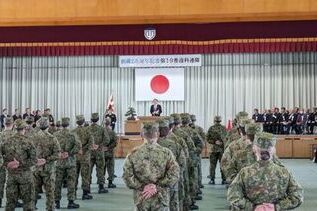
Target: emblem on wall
{"points": [[149, 33]]}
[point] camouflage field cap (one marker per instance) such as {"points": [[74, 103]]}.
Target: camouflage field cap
{"points": [[58, 123], [65, 121], [163, 123], [244, 122], [8, 121], [20, 124], [253, 128], [43, 122], [150, 127], [193, 117], [29, 119], [217, 119], [170, 119], [185, 118], [94, 116], [264, 140], [80, 118], [242, 115], [177, 118]]}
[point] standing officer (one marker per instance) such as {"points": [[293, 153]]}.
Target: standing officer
{"points": [[216, 137]]}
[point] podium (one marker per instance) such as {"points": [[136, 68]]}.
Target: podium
{"points": [[133, 127]]}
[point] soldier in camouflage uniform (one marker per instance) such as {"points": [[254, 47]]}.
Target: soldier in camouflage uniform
{"points": [[175, 203], [202, 134], [52, 128], [101, 139], [66, 165], [184, 189], [29, 130], [264, 185], [109, 153], [19, 156], [216, 137], [151, 170], [47, 152], [6, 134], [84, 156], [192, 140]]}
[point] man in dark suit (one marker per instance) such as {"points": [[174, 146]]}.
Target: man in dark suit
{"points": [[27, 113], [156, 109], [257, 117], [284, 125], [17, 114], [110, 114]]}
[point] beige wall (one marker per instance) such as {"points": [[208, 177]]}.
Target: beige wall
{"points": [[85, 12]]}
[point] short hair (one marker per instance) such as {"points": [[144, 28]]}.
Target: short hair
{"points": [[3, 110]]}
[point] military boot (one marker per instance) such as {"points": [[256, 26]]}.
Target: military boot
{"points": [[86, 196], [102, 189], [193, 207], [111, 185], [72, 205], [0, 202], [57, 204], [18, 204]]}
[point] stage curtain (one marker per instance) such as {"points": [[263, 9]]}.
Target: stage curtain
{"points": [[224, 85]]}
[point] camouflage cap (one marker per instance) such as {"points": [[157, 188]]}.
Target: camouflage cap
{"points": [[242, 115], [94, 116], [150, 127], [162, 123], [170, 119], [8, 121], [264, 140], [177, 118], [193, 117], [185, 117], [58, 123], [80, 117], [244, 122], [20, 124], [29, 119], [253, 128], [43, 122], [65, 121], [217, 119]]}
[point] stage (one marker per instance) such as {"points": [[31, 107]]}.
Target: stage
{"points": [[291, 146]]}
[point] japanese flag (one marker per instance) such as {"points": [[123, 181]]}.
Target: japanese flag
{"points": [[161, 83]]}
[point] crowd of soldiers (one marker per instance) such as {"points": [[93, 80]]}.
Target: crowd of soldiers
{"points": [[165, 172], [35, 154], [296, 121]]}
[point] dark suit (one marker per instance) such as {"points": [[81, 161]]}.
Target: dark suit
{"points": [[156, 111], [15, 117], [26, 115], [113, 118], [2, 117]]}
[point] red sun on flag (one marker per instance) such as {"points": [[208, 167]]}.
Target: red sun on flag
{"points": [[159, 84]]}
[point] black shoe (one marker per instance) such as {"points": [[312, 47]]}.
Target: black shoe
{"points": [[201, 186], [86, 196], [211, 182], [38, 196], [18, 204], [115, 176], [193, 207], [72, 205], [0, 202], [199, 192], [88, 191], [64, 184], [111, 185], [57, 205], [198, 198], [224, 182], [208, 176], [102, 189]]}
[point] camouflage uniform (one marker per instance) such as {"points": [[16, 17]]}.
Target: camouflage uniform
{"points": [[151, 163], [83, 160], [47, 147], [5, 135], [19, 181], [264, 182], [175, 201], [66, 167], [232, 136], [202, 134], [101, 139], [109, 154], [217, 132]]}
